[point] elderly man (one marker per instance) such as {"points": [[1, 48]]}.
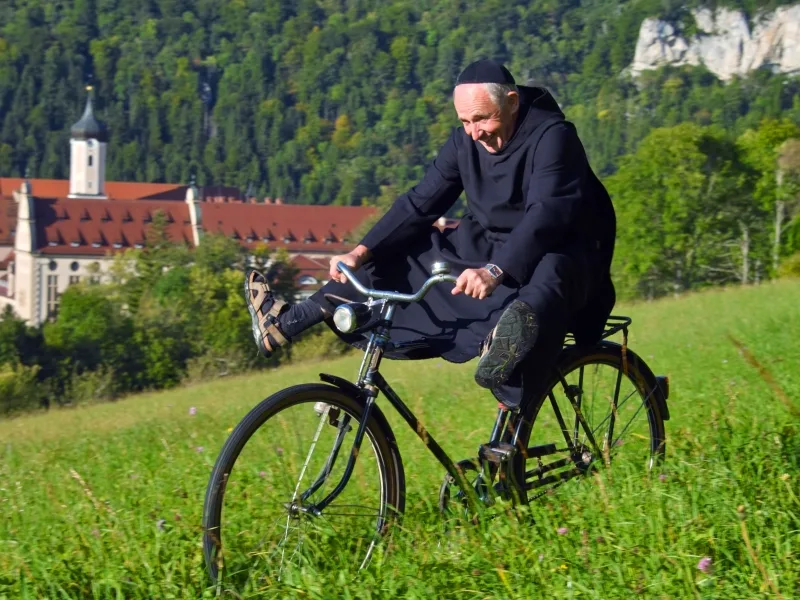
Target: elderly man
{"points": [[533, 249]]}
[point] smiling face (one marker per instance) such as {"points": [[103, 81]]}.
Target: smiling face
{"points": [[483, 120]]}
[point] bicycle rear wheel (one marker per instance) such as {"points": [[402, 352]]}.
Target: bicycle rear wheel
{"points": [[289, 453], [620, 421]]}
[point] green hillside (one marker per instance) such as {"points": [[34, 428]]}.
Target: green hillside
{"points": [[105, 501]]}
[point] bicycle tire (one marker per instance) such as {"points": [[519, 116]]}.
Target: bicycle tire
{"points": [[378, 432], [604, 353]]}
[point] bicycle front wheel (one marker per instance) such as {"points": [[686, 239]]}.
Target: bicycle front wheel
{"points": [[290, 452], [602, 408]]}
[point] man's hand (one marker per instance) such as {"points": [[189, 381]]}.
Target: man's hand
{"points": [[477, 283], [353, 259]]}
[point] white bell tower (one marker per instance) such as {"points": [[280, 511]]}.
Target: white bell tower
{"points": [[87, 172]]}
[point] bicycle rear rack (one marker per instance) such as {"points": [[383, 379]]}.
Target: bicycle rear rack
{"points": [[614, 324]]}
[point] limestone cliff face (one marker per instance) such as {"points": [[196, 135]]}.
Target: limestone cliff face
{"points": [[725, 43]]}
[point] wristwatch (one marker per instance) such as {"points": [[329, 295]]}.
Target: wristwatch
{"points": [[494, 270]]}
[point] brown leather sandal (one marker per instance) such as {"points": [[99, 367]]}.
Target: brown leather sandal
{"points": [[266, 333]]}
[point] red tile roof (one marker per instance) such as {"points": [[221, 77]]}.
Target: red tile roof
{"points": [[4, 262], [316, 268], [8, 220], [76, 226], [90, 226], [296, 227], [121, 190]]}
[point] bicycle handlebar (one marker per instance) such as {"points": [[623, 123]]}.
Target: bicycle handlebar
{"points": [[395, 296]]}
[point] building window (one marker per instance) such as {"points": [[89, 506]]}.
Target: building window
{"points": [[74, 279], [52, 296], [52, 265], [74, 265], [90, 160], [307, 280]]}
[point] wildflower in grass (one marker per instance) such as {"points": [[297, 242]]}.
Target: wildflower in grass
{"points": [[262, 474], [193, 410], [563, 530], [160, 524], [199, 449], [704, 565], [279, 451], [662, 478], [563, 567], [785, 477]]}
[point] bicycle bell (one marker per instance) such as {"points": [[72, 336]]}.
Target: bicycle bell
{"points": [[440, 268]]}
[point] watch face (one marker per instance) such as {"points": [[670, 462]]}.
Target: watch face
{"points": [[494, 271]]}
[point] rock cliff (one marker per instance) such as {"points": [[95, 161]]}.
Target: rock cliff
{"points": [[724, 42]]}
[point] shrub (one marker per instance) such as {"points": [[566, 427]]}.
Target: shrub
{"points": [[19, 390], [790, 267], [317, 343]]}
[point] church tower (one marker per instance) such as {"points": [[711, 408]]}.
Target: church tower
{"points": [[89, 137]]}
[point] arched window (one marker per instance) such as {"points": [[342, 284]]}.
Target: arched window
{"points": [[307, 280]]}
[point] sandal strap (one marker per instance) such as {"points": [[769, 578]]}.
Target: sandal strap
{"points": [[269, 326]]}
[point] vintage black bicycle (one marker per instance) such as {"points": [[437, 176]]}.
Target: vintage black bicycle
{"points": [[318, 474]]}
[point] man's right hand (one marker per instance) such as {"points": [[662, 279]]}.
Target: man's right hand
{"points": [[353, 259]]}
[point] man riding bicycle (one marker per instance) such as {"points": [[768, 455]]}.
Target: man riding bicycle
{"points": [[533, 248]]}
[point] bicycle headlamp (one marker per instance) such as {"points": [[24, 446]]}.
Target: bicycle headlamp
{"points": [[349, 317], [344, 318]]}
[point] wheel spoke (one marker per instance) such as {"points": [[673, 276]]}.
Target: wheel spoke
{"points": [[604, 419]]}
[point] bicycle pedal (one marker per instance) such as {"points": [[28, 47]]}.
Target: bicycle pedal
{"points": [[497, 454]]}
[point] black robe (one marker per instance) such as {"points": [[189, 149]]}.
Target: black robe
{"points": [[536, 196]]}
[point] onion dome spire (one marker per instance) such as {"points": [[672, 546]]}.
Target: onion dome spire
{"points": [[88, 127]]}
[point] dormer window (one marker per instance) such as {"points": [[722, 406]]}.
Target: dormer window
{"points": [[96, 244], [52, 243], [74, 244], [117, 245], [138, 245]]}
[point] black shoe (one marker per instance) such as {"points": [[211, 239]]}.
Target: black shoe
{"points": [[511, 339]]}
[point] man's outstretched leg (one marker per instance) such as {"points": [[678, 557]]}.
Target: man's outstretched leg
{"points": [[274, 321]]}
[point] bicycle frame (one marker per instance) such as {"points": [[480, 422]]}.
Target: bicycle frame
{"points": [[505, 432], [370, 382]]}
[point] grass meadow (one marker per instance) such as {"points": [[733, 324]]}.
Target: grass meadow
{"points": [[105, 501]]}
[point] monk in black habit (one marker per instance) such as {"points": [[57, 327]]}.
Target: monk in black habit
{"points": [[532, 251]]}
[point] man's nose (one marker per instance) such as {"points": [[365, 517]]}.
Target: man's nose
{"points": [[476, 133]]}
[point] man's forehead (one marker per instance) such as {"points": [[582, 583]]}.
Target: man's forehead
{"points": [[470, 98]]}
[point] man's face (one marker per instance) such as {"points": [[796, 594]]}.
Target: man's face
{"points": [[483, 120]]}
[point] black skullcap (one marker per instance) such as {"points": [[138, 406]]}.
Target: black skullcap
{"points": [[485, 71]]}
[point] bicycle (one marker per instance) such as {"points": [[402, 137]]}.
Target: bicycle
{"points": [[531, 451]]}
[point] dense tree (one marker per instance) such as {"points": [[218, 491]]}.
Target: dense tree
{"points": [[332, 102], [681, 200]]}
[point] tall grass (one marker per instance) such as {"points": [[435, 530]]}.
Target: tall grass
{"points": [[105, 501]]}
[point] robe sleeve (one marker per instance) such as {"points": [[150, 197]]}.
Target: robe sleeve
{"points": [[553, 203], [416, 210]]}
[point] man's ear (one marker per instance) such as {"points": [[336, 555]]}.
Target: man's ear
{"points": [[513, 101]]}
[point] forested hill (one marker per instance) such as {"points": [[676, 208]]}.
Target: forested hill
{"points": [[322, 101]]}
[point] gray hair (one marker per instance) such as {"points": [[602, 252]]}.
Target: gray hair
{"points": [[498, 92]]}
